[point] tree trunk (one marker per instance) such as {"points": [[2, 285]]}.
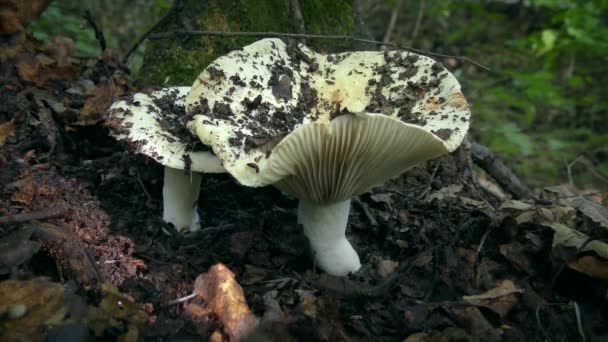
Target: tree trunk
{"points": [[177, 62]]}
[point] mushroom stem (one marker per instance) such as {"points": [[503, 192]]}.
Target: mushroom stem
{"points": [[325, 227], [180, 195]]}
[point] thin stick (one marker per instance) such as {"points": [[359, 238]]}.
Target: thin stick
{"points": [[428, 187], [579, 321], [43, 214], [569, 167], [368, 215], [176, 34], [183, 299], [88, 16]]}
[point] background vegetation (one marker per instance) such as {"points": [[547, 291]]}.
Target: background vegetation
{"points": [[541, 107]]}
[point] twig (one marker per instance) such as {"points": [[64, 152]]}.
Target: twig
{"points": [[539, 323], [176, 4], [143, 187], [183, 299], [569, 167], [418, 19], [368, 215], [88, 16], [483, 238], [43, 214], [392, 22], [175, 34], [579, 321], [428, 187], [488, 161]]}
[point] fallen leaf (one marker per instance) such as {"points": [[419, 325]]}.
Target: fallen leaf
{"points": [[6, 130], [591, 266], [516, 206], [568, 237], [225, 298], [500, 299], [386, 267], [471, 319], [516, 254], [448, 191], [28, 67], [61, 48], [98, 103], [568, 195]]}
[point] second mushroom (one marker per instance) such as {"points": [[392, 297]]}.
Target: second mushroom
{"points": [[325, 127], [154, 124]]}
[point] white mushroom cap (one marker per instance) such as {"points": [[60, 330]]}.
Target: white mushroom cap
{"points": [[150, 124], [325, 128]]}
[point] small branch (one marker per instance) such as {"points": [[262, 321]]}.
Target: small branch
{"points": [[418, 19], [176, 34], [88, 16], [368, 215], [183, 299], [176, 4], [488, 161], [428, 187], [569, 167], [392, 22], [39, 215]]}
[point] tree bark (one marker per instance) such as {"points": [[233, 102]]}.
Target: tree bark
{"points": [[177, 62]]}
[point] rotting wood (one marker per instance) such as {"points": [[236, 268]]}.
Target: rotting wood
{"points": [[43, 214]]}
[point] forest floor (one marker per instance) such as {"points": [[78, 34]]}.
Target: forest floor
{"points": [[84, 252]]}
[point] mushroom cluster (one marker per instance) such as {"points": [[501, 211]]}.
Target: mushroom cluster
{"points": [[154, 124], [325, 127]]}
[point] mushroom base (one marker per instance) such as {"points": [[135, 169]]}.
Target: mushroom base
{"points": [[180, 195], [325, 227]]}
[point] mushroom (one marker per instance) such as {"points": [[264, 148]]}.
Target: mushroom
{"points": [[154, 124], [325, 128]]}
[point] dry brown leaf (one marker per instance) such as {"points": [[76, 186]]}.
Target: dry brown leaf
{"points": [[225, 297], [16, 14], [6, 130], [61, 48], [471, 319], [28, 67], [500, 299], [570, 196], [591, 266], [515, 252], [98, 103]]}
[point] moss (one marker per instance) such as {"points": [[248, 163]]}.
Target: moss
{"points": [[178, 61]]}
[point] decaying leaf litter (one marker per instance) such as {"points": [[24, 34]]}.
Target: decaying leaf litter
{"points": [[443, 258]]}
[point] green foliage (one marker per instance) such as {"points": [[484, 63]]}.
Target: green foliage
{"points": [[58, 21], [544, 103]]}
